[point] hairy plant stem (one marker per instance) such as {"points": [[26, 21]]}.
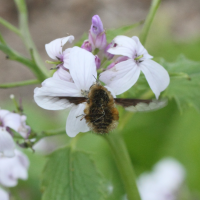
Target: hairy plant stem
{"points": [[154, 6], [26, 37], [124, 164]]}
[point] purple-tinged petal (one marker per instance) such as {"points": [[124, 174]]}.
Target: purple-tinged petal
{"points": [[121, 77], [111, 65], [97, 61], [82, 68], [4, 195], [74, 123], [7, 144], [62, 74], [118, 60], [17, 123], [109, 56], [48, 95], [141, 50], [87, 46], [156, 75], [54, 48], [123, 45], [100, 41]]}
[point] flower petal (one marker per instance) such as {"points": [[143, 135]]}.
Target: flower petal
{"points": [[140, 50], [54, 48], [82, 68], [7, 144], [12, 169], [156, 75], [123, 45], [122, 76], [48, 95], [111, 91], [66, 54], [4, 195], [62, 74], [74, 123]]}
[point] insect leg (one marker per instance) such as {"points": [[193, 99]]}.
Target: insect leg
{"points": [[80, 116]]}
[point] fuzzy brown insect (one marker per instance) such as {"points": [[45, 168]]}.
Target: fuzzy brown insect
{"points": [[101, 114]]}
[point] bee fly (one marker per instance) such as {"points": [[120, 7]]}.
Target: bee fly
{"points": [[101, 114]]}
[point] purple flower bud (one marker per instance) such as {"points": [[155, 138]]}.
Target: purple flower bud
{"points": [[87, 46], [108, 55], [97, 36], [97, 25], [118, 60], [97, 61]]}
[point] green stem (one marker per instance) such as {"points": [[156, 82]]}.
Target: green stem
{"points": [[18, 84], [10, 26], [154, 6], [2, 39], [54, 132], [26, 37], [124, 164], [12, 55]]}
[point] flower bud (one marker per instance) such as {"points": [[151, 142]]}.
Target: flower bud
{"points": [[97, 61], [97, 26], [109, 56], [97, 36], [87, 45]]}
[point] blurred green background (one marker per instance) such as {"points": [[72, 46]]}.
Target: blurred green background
{"points": [[149, 136]]}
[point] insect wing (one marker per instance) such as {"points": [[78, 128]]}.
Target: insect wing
{"points": [[73, 100], [140, 105]]}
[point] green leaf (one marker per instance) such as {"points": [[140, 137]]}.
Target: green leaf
{"points": [[111, 34], [185, 89], [71, 175]]}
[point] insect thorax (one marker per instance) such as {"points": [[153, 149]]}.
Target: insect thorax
{"points": [[101, 114]]}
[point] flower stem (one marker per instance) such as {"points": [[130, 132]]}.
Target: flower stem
{"points": [[26, 36], [124, 165], [21, 83], [13, 55], [10, 26], [154, 6]]}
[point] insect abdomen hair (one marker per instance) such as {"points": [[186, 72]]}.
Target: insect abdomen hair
{"points": [[101, 114]]}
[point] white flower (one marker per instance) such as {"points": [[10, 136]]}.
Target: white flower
{"points": [[83, 71], [164, 182], [54, 50], [12, 169], [51, 95], [15, 122], [3, 195], [124, 75]]}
